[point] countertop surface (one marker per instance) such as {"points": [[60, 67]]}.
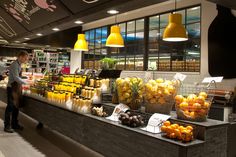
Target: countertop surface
{"points": [[137, 130]]}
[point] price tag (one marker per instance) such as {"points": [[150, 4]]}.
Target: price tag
{"points": [[154, 123], [118, 109], [210, 79], [69, 104], [179, 76]]}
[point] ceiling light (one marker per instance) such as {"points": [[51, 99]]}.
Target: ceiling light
{"points": [[81, 44], [112, 12], [115, 39], [175, 31], [24, 43], [27, 38], [17, 41], [78, 22], [55, 29], [39, 34]]}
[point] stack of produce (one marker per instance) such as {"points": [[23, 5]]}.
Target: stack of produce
{"points": [[159, 95], [194, 108], [130, 91], [99, 111], [176, 131], [131, 120]]}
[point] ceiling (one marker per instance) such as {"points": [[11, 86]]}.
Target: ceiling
{"points": [[25, 18]]}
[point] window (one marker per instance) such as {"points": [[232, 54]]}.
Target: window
{"points": [[160, 55], [96, 39], [175, 56], [130, 57]]}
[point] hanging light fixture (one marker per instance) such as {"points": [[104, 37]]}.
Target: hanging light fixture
{"points": [[175, 31], [81, 43], [115, 38]]}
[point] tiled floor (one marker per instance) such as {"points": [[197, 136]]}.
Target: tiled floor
{"points": [[38, 143]]}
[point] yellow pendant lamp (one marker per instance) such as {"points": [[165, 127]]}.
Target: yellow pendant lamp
{"points": [[81, 44], [175, 31], [115, 39]]}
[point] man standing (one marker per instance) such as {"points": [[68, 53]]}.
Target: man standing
{"points": [[12, 110]]}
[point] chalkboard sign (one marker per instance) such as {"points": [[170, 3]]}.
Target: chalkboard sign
{"points": [[221, 44]]}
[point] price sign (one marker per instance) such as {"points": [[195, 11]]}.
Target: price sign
{"points": [[118, 109], [154, 122], [179, 76], [210, 79]]}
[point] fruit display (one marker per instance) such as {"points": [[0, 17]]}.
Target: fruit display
{"points": [[193, 107], [99, 111], [178, 132], [159, 95], [130, 92], [131, 120]]}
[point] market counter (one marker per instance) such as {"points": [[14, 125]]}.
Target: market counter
{"points": [[113, 139]]}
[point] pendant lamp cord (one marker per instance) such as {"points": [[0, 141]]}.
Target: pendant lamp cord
{"points": [[175, 5], [116, 19]]}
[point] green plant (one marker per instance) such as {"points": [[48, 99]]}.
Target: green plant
{"points": [[108, 63]]}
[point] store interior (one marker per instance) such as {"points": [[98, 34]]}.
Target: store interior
{"points": [[121, 77]]}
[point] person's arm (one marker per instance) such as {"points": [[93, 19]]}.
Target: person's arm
{"points": [[14, 70]]}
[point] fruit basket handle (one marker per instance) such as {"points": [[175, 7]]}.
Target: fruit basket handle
{"points": [[211, 88]]}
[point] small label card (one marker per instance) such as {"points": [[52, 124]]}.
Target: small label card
{"points": [[210, 79], [69, 104], [179, 76], [118, 109], [154, 123]]}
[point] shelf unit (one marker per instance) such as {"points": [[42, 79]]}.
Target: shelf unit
{"points": [[44, 60]]}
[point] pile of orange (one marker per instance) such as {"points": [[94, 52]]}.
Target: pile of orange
{"points": [[193, 106], [176, 131]]}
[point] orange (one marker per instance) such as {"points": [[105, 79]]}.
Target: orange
{"points": [[207, 105], [177, 133], [172, 135], [202, 112], [169, 130], [173, 126], [179, 99], [197, 105], [181, 128], [167, 123], [204, 94], [186, 112], [183, 105], [189, 128], [192, 114], [163, 128], [191, 99], [200, 99]]}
